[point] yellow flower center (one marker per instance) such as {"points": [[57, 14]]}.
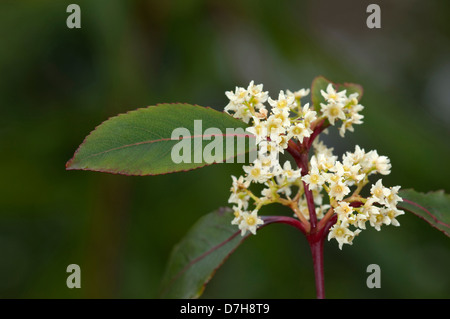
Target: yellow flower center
{"points": [[282, 104], [378, 192], [297, 130], [391, 214], [339, 232], [251, 220], [334, 111], [314, 178], [255, 171]]}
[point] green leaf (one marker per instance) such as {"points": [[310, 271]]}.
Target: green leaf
{"points": [[142, 142], [207, 245], [199, 254], [433, 207], [320, 83]]}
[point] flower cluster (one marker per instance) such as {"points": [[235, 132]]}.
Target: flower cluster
{"points": [[337, 177], [294, 127]]}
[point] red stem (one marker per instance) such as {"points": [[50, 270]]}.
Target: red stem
{"points": [[316, 236], [316, 244], [284, 220]]}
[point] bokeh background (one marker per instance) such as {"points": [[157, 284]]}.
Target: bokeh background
{"points": [[57, 84]]}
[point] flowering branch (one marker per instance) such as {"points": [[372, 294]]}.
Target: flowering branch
{"points": [[293, 127]]}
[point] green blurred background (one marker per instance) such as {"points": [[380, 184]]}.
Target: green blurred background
{"points": [[57, 84]]}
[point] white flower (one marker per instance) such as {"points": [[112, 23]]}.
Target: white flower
{"points": [[381, 164], [378, 219], [283, 101], [338, 190], [341, 233], [379, 192], [357, 156], [283, 116], [255, 172], [309, 116], [333, 111], [290, 174], [299, 94], [250, 222], [243, 113], [274, 127], [270, 149], [237, 212], [282, 142], [343, 210], [258, 96], [299, 131], [349, 171], [239, 96], [267, 193], [347, 124], [270, 167], [258, 129], [239, 192], [361, 219], [392, 197], [314, 179], [332, 96], [391, 214]]}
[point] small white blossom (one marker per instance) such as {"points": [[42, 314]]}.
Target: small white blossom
{"points": [[343, 210], [283, 116], [392, 197], [338, 190], [299, 131], [379, 192], [314, 179], [290, 174], [299, 94], [274, 127], [331, 96], [341, 233], [259, 129], [250, 222], [391, 214], [258, 96], [256, 172], [283, 102], [237, 212], [333, 111]]}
